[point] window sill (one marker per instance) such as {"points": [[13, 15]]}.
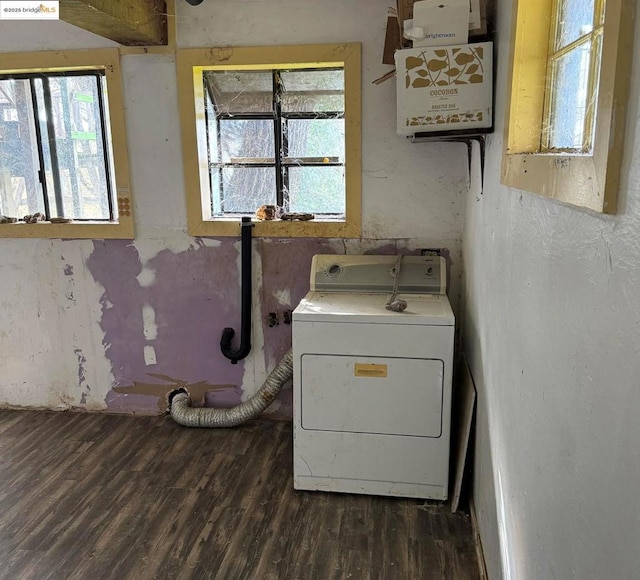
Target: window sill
{"points": [[74, 230], [223, 227], [572, 179]]}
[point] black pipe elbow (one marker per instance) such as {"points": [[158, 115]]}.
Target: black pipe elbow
{"points": [[225, 346]]}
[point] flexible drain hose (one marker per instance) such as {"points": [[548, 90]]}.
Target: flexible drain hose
{"points": [[183, 413]]}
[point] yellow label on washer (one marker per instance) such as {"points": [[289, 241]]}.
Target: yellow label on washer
{"points": [[370, 370]]}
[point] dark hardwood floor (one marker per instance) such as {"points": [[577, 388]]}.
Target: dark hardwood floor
{"points": [[103, 496]]}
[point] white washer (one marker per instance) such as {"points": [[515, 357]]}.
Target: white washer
{"points": [[372, 387]]}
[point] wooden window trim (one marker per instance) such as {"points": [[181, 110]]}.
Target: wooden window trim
{"points": [[65, 60], [191, 62], [588, 181]]}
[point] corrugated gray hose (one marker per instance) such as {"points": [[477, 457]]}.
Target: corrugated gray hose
{"points": [[183, 413]]}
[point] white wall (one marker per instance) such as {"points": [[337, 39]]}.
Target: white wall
{"points": [[55, 348], [553, 334]]}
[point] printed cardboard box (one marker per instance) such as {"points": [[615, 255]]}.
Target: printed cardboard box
{"points": [[445, 88]]}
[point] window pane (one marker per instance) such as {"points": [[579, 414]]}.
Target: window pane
{"points": [[318, 190], [79, 147], [316, 138], [313, 90], [20, 190], [575, 20], [570, 99], [241, 91], [245, 189], [212, 132], [216, 193], [46, 153], [242, 138]]}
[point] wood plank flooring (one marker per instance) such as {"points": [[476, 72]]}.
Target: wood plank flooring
{"points": [[102, 496]]}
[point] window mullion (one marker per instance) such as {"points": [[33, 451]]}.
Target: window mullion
{"points": [[42, 174], [592, 89], [557, 55], [278, 136], [598, 14], [220, 166], [53, 149], [105, 145], [285, 166]]}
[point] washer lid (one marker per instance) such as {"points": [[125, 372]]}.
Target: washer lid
{"points": [[425, 309]]}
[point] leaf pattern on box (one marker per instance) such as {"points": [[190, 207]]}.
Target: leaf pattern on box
{"points": [[472, 116], [441, 68]]}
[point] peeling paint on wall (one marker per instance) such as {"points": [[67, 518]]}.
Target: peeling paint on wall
{"points": [[192, 298], [82, 375], [146, 277]]}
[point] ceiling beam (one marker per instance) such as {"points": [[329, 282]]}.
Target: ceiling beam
{"points": [[128, 22]]}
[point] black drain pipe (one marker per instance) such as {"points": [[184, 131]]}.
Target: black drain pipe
{"points": [[245, 321]]}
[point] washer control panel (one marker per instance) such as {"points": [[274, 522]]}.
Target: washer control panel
{"points": [[418, 274]]}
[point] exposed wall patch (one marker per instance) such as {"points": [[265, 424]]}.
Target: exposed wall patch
{"points": [[149, 327], [193, 297], [283, 296], [150, 355], [146, 277], [82, 376]]}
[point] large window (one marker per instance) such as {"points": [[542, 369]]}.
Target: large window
{"points": [[276, 137], [62, 152], [272, 126], [569, 88]]}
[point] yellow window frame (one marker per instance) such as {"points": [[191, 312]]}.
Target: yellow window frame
{"points": [[190, 65], [587, 179], [75, 60]]}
